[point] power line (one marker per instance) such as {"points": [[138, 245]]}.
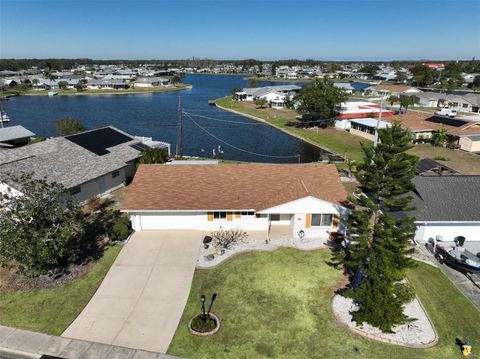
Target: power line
{"points": [[228, 121], [233, 146]]}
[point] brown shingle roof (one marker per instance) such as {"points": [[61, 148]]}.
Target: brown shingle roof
{"points": [[392, 88], [231, 187]]}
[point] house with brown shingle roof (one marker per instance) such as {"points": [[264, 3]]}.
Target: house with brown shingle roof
{"points": [[307, 199], [386, 90], [463, 131]]}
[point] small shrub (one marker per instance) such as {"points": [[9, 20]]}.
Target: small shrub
{"points": [[227, 239], [119, 229], [441, 158], [93, 204]]}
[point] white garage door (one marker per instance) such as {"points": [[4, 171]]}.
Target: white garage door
{"points": [[471, 232], [177, 221]]}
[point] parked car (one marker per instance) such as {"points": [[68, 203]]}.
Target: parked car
{"points": [[446, 112]]}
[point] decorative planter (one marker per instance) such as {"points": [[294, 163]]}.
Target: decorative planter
{"points": [[205, 334]]}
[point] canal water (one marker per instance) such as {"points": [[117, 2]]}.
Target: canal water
{"points": [[156, 115]]}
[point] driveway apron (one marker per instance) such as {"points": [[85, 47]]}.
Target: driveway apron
{"points": [[141, 300]]}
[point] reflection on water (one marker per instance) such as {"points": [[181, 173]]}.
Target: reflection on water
{"points": [[156, 115]]}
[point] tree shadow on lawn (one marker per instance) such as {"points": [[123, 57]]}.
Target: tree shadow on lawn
{"points": [[95, 239]]}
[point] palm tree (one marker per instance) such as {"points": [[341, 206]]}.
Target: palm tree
{"points": [[393, 99], [440, 137]]}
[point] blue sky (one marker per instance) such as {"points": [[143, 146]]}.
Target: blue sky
{"points": [[229, 29]]}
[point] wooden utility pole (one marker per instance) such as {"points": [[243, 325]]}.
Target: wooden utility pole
{"points": [[179, 150]]}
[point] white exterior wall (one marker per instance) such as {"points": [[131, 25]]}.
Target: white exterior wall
{"points": [[292, 213], [101, 186], [448, 230], [427, 102], [309, 205], [142, 84], [194, 220], [272, 96], [299, 224], [469, 145]]}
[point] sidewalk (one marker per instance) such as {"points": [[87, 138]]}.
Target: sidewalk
{"points": [[18, 343]]}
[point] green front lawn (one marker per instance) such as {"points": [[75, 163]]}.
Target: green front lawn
{"points": [[52, 310], [278, 305]]}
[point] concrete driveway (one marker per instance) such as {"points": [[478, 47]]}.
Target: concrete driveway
{"points": [[140, 301]]}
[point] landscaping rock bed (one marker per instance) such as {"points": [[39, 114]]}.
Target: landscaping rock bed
{"points": [[214, 320], [211, 256], [416, 334]]}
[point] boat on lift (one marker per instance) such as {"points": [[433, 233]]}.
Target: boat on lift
{"points": [[4, 117], [52, 93]]}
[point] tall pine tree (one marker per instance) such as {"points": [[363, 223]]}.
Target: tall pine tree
{"points": [[380, 232]]}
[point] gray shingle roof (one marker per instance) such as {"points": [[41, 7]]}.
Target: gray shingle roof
{"points": [[260, 91], [63, 161], [446, 198], [14, 133]]}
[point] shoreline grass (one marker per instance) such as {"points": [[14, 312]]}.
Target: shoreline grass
{"points": [[103, 92], [329, 139]]}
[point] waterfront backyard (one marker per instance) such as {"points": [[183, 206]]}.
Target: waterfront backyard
{"points": [[278, 304], [342, 142], [330, 139]]}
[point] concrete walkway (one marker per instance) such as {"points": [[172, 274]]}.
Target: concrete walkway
{"points": [[18, 343], [141, 300]]}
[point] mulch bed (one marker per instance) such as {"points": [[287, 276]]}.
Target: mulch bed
{"points": [[12, 281]]}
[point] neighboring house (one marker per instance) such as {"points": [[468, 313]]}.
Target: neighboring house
{"points": [[304, 199], [114, 84], [251, 93], [446, 206], [468, 78], [346, 86], [423, 125], [10, 83], [367, 127], [88, 164], [465, 103], [386, 90], [147, 82], [41, 84], [14, 136], [429, 167], [359, 109]]}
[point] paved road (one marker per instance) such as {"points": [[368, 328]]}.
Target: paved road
{"points": [[140, 301], [25, 344]]}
